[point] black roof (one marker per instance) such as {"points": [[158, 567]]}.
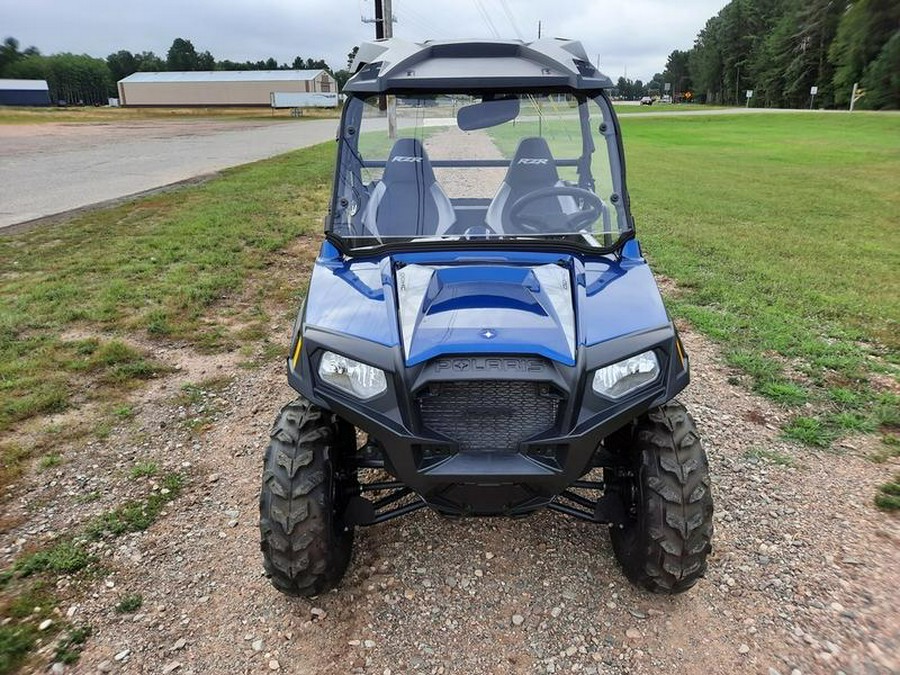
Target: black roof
{"points": [[395, 65]]}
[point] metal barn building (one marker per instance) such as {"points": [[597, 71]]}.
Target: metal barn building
{"points": [[24, 92], [220, 87]]}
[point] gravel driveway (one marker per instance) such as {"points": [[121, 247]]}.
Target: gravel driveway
{"points": [[804, 574], [48, 169]]}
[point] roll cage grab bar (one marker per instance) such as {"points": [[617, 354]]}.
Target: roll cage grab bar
{"points": [[465, 163]]}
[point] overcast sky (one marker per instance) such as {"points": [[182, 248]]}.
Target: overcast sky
{"points": [[629, 35]]}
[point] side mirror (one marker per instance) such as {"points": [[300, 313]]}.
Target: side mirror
{"points": [[487, 113]]}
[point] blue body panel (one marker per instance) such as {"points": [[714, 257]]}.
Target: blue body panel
{"points": [[613, 297], [353, 298], [616, 299]]}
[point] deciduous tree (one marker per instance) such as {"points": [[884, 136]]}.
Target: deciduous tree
{"points": [[182, 56]]}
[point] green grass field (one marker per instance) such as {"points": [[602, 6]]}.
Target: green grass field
{"points": [[782, 232], [627, 109]]}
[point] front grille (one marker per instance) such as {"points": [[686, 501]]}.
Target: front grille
{"points": [[488, 415]]}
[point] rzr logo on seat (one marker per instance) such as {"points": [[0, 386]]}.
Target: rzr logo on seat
{"points": [[533, 160], [400, 158]]}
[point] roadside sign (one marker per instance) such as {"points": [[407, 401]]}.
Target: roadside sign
{"points": [[857, 93], [668, 86], [749, 93], [813, 90]]}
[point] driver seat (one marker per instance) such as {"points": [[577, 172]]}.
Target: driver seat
{"points": [[408, 201], [532, 168]]}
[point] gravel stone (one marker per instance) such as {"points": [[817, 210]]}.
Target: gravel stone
{"points": [[808, 520]]}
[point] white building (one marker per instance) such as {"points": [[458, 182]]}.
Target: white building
{"points": [[220, 87]]}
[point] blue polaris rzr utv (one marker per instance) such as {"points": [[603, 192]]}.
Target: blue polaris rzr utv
{"points": [[481, 334]]}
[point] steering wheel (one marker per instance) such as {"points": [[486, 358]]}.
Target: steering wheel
{"points": [[592, 207]]}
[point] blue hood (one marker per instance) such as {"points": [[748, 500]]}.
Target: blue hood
{"points": [[486, 308], [483, 302]]}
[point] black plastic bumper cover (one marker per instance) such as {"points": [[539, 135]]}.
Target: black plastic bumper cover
{"points": [[490, 483]]}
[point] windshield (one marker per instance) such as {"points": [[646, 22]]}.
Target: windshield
{"points": [[473, 168]]}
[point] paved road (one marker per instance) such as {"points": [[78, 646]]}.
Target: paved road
{"points": [[53, 168]]}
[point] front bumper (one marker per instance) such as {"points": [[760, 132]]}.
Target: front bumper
{"points": [[450, 474]]}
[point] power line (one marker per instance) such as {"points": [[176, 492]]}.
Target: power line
{"points": [[511, 17], [363, 16], [419, 20], [486, 17]]}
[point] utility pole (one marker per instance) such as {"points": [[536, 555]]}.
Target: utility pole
{"points": [[388, 31], [539, 30], [379, 21], [379, 35], [388, 16]]}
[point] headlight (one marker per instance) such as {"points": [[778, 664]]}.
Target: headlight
{"points": [[352, 376], [624, 377]]}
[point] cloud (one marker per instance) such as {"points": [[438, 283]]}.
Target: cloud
{"points": [[636, 35]]}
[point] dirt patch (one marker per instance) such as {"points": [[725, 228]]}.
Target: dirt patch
{"points": [[804, 573], [668, 287]]}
